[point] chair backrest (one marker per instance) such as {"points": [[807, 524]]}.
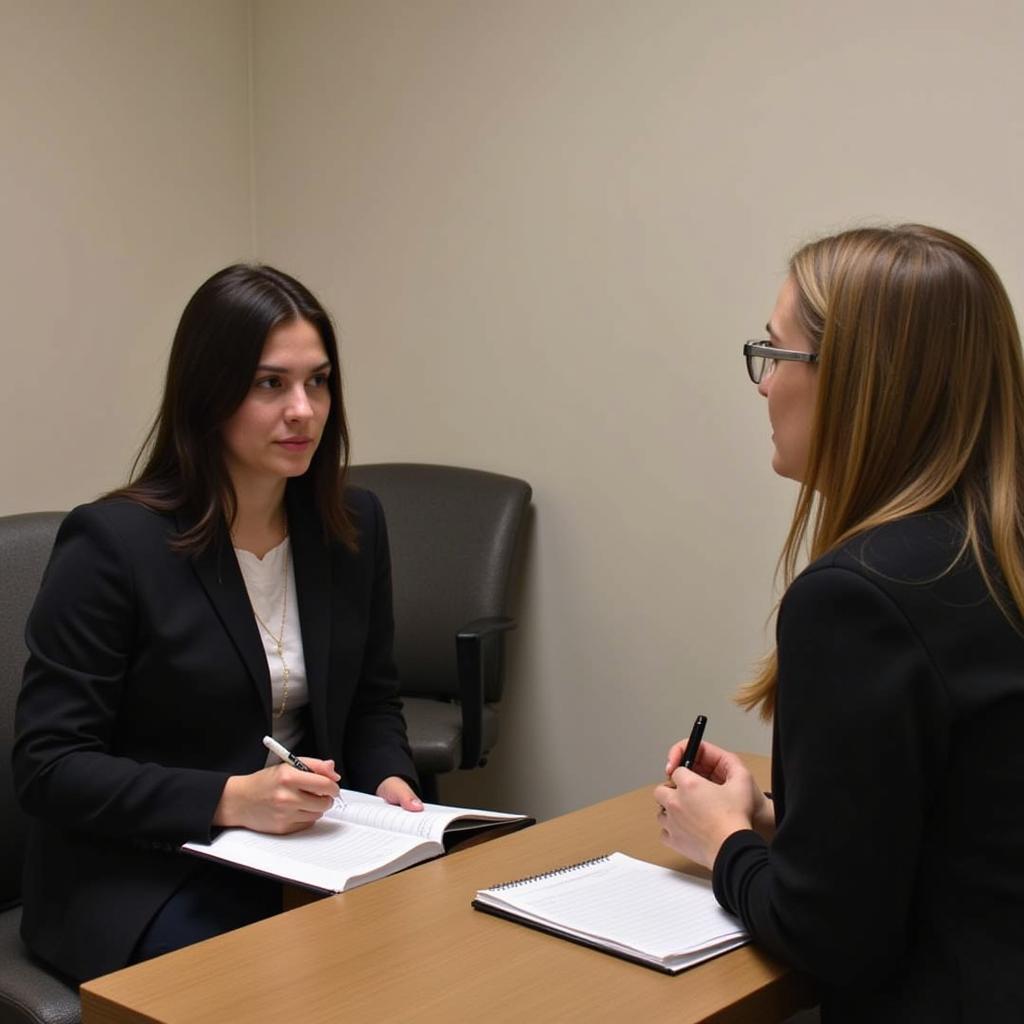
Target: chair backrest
{"points": [[454, 535], [25, 545]]}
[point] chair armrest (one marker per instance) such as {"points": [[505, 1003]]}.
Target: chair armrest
{"points": [[478, 649]]}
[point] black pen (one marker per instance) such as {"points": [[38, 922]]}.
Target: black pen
{"points": [[285, 754], [693, 743]]}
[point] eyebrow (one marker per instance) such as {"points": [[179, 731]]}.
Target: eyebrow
{"points": [[265, 368]]}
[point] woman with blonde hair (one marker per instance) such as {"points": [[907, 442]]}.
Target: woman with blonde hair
{"points": [[888, 862]]}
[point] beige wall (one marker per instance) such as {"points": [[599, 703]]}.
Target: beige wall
{"points": [[544, 227], [124, 179]]}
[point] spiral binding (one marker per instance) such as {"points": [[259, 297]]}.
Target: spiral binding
{"points": [[517, 882]]}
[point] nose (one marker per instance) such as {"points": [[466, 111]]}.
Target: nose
{"points": [[763, 385], [299, 407]]}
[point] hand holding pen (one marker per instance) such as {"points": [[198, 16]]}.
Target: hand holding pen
{"points": [[717, 795], [393, 789], [284, 754], [684, 756], [696, 811], [279, 801], [281, 751]]}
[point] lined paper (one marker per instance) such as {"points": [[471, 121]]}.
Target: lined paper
{"points": [[430, 823], [628, 906], [360, 839], [334, 855]]}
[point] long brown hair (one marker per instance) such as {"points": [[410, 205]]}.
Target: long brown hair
{"points": [[920, 395], [216, 350]]}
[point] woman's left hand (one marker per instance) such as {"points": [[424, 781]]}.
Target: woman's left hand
{"points": [[398, 791], [708, 804]]}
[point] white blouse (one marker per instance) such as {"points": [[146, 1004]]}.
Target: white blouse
{"points": [[265, 581]]}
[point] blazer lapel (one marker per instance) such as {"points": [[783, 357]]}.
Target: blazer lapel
{"points": [[217, 569], [311, 556]]}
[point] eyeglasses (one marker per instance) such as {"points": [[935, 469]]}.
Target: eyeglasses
{"points": [[762, 356]]}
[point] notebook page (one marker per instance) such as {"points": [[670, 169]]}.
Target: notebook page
{"points": [[628, 903], [429, 823], [326, 855]]}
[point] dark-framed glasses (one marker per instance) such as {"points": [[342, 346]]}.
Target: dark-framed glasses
{"points": [[761, 357]]}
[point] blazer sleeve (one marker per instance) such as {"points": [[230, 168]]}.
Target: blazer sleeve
{"points": [[862, 718], [82, 635], [376, 745]]}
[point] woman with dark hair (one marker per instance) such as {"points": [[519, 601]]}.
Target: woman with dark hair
{"points": [[888, 862], [234, 589]]}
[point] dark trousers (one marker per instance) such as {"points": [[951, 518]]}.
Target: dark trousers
{"points": [[214, 900]]}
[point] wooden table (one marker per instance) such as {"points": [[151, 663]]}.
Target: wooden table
{"points": [[410, 948]]}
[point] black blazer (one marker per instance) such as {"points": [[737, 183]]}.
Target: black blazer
{"points": [[147, 686], [896, 875]]}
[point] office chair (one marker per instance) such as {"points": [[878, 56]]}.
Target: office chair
{"points": [[29, 994], [454, 536]]}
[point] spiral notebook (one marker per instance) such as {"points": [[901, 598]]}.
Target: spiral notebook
{"points": [[620, 905]]}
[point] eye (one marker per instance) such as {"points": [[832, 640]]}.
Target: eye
{"points": [[268, 383], [318, 380]]}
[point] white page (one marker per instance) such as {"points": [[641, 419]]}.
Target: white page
{"points": [[331, 854], [429, 823], [629, 904], [359, 839]]}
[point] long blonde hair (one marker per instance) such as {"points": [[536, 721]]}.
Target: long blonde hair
{"points": [[920, 394]]}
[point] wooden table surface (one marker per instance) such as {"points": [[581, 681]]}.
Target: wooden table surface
{"points": [[410, 948]]}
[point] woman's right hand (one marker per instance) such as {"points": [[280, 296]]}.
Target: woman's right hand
{"points": [[278, 799], [717, 764]]}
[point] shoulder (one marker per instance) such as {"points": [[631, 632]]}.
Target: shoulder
{"points": [[363, 505], [117, 521], [119, 514], [112, 531], [909, 550], [362, 509], [918, 549], [846, 624], [918, 565], [367, 516], [101, 553]]}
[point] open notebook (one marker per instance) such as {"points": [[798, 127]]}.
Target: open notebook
{"points": [[362, 838], [639, 911]]}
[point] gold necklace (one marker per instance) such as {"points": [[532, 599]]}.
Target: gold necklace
{"points": [[279, 640]]}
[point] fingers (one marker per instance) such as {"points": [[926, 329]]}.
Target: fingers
{"points": [[697, 814], [301, 797], [279, 799], [707, 768], [410, 802], [719, 765], [706, 753], [292, 806], [663, 795], [324, 768], [713, 762], [312, 783], [398, 791], [675, 756]]}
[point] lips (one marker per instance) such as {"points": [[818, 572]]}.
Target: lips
{"points": [[295, 444]]}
